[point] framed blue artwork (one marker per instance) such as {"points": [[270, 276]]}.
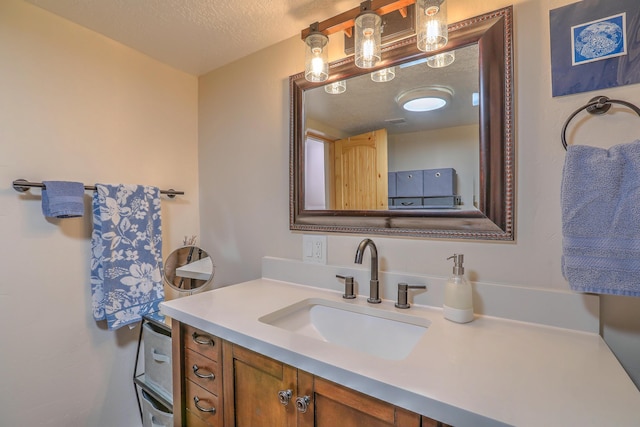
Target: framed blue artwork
{"points": [[595, 44]]}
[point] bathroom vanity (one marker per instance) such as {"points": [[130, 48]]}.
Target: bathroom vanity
{"points": [[268, 365], [225, 384]]}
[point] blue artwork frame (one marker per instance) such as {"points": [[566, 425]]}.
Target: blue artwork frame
{"points": [[594, 45]]}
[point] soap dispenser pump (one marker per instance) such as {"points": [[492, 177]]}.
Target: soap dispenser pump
{"points": [[458, 299]]}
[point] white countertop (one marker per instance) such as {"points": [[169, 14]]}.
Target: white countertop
{"points": [[485, 373]]}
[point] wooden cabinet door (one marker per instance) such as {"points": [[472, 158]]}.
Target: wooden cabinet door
{"points": [[361, 172], [335, 405], [251, 386]]}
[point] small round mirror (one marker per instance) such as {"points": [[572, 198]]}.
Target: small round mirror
{"points": [[188, 269]]}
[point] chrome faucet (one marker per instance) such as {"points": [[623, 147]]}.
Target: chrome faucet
{"points": [[374, 284]]}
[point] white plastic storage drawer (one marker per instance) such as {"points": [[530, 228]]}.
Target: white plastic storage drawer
{"points": [[154, 414], [157, 358]]}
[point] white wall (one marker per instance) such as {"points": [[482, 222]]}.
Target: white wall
{"points": [[77, 106], [244, 167], [455, 147]]}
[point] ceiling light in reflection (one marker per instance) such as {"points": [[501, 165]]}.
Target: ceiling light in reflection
{"points": [[336, 88], [424, 99], [441, 60], [384, 75]]}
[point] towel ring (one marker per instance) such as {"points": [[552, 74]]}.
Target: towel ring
{"points": [[598, 105]]}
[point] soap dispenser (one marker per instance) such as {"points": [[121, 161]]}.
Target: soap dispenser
{"points": [[458, 299]]}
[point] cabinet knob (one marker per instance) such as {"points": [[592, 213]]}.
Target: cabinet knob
{"points": [[208, 375], [302, 403], [284, 396], [196, 400]]}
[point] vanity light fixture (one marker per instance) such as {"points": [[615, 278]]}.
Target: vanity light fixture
{"points": [[336, 88], [424, 99], [384, 75], [431, 24], [441, 60], [365, 21], [316, 64], [367, 37]]}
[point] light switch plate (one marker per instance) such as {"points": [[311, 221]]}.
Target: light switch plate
{"points": [[314, 249]]}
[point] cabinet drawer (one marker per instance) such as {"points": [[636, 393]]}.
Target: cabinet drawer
{"points": [[407, 202], [202, 404], [442, 202], [202, 342], [194, 421], [202, 371]]}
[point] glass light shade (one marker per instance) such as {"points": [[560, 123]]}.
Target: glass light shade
{"points": [[316, 64], [384, 75], [424, 104], [441, 60], [367, 39], [431, 24], [336, 87]]}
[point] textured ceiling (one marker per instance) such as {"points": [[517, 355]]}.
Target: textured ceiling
{"points": [[196, 36]]}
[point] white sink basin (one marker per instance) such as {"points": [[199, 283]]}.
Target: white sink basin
{"points": [[385, 334]]}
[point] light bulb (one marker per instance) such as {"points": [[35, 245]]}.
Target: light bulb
{"points": [[317, 66]]}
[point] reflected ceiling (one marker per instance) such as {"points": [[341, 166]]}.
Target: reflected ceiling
{"points": [[349, 114]]}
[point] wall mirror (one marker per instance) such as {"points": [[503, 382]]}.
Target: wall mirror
{"points": [[361, 164], [188, 269]]}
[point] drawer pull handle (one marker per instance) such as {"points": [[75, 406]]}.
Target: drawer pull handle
{"points": [[284, 396], [159, 357], [208, 375], [202, 339], [200, 408], [302, 403]]}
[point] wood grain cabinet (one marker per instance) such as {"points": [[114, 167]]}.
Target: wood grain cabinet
{"points": [[197, 378], [258, 390], [248, 389]]}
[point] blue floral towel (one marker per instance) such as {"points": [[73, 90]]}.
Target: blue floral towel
{"points": [[126, 253]]}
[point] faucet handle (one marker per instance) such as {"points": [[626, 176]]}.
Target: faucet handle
{"points": [[348, 286], [403, 291]]}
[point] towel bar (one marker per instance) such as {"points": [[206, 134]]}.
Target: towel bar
{"points": [[597, 105], [22, 185]]}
